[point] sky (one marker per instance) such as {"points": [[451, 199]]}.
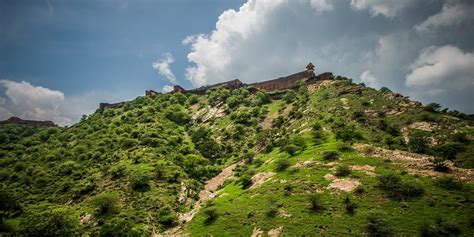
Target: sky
{"points": [[59, 59]]}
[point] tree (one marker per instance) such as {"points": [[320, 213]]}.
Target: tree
{"points": [[48, 220], [432, 107], [418, 142], [106, 203], [289, 96]]}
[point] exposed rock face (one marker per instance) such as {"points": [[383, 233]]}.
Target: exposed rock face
{"points": [[346, 185], [260, 178], [16, 120]]}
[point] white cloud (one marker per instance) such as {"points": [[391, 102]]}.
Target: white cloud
{"points": [[369, 79], [27, 101], [163, 67], [388, 8], [450, 14], [32, 102], [167, 88], [321, 5], [442, 69]]}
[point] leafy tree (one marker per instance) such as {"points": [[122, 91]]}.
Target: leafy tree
{"points": [[289, 96], [177, 115], [262, 98], [48, 220], [418, 142], [281, 164], [432, 107], [106, 203], [385, 90]]}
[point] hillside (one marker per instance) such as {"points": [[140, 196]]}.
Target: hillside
{"points": [[329, 158]]}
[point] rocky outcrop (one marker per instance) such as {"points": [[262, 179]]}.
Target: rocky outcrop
{"points": [[16, 120]]}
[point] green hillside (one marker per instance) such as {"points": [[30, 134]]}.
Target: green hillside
{"points": [[334, 158]]}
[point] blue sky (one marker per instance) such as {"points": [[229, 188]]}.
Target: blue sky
{"points": [[59, 59]]}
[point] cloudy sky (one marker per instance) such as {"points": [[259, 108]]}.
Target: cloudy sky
{"points": [[59, 59]]}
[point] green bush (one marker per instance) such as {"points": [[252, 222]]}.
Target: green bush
{"points": [[120, 227], [44, 220], [281, 164], [418, 141], [348, 134], [397, 189], [139, 180], [439, 228], [377, 224], [343, 170], [106, 203], [349, 205], [315, 203], [211, 214], [289, 96], [449, 183], [177, 115], [344, 147], [246, 181], [291, 149], [330, 155], [8, 202]]}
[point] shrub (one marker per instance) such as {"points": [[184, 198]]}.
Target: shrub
{"points": [[449, 150], [8, 202], [177, 115], [397, 189], [378, 225], [281, 164], [348, 134], [46, 220], [349, 205], [432, 107], [106, 203], [439, 164], [210, 214], [418, 142], [344, 147], [449, 183], [439, 228], [330, 155], [291, 149], [120, 227], [315, 202], [343, 170], [289, 96], [139, 180], [272, 212], [246, 181]]}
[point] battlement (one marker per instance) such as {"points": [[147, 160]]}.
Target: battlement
{"points": [[281, 83], [16, 120]]}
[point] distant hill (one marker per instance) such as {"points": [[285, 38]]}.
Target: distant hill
{"points": [[318, 157], [16, 120]]}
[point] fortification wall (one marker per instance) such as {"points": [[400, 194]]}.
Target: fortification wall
{"points": [[107, 105], [283, 83]]}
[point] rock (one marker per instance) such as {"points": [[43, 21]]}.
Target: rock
{"points": [[275, 232], [261, 178], [346, 185]]}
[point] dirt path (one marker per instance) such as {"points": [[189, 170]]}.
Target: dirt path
{"points": [[209, 192], [416, 163]]}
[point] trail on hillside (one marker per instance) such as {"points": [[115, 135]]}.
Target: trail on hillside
{"points": [[208, 193], [417, 163]]}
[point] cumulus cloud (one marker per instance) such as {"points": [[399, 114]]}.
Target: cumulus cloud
{"points": [[388, 8], [31, 102], [452, 13], [321, 5], [28, 101], [441, 69], [164, 69], [369, 79], [167, 88]]}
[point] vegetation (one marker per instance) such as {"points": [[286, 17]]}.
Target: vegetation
{"points": [[131, 170]]}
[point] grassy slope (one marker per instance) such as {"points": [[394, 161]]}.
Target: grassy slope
{"points": [[104, 153]]}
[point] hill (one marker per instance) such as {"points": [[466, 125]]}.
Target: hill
{"points": [[326, 158]]}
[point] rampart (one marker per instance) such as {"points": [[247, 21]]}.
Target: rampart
{"points": [[107, 105]]}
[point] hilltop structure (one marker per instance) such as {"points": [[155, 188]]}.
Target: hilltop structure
{"points": [[281, 83]]}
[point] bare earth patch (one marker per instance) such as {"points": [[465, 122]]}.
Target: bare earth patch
{"points": [[303, 164], [261, 178], [209, 192], [346, 185], [417, 163], [363, 167], [257, 232], [329, 177], [283, 213], [425, 126], [275, 232]]}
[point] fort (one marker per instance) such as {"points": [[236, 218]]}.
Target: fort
{"points": [[282, 83], [16, 120]]}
